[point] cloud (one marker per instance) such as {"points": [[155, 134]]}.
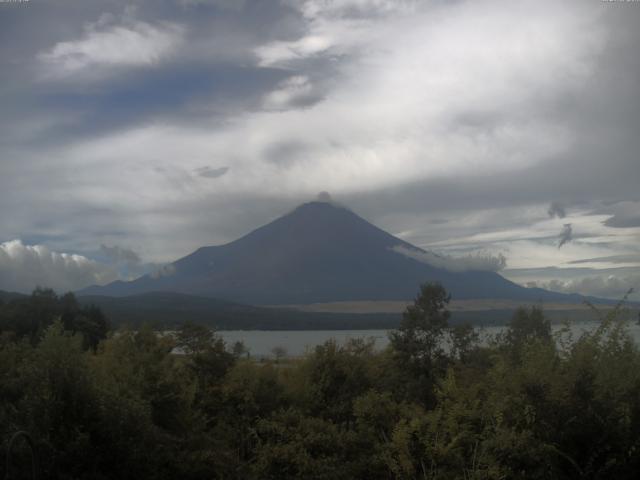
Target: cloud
{"points": [[324, 197], [294, 92], [566, 235], [113, 42], [355, 8], [631, 258], [163, 271], [286, 154], [333, 29], [121, 256], [622, 222], [281, 53], [622, 214], [556, 210], [223, 4], [24, 267], [479, 261], [600, 285], [386, 119], [478, 112], [210, 172]]}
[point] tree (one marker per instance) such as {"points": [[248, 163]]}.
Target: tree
{"points": [[194, 339], [29, 317], [279, 352], [418, 343], [239, 349], [463, 340], [331, 378], [528, 325], [423, 324], [207, 352]]}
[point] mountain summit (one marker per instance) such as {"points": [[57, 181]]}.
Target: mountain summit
{"points": [[319, 252]]}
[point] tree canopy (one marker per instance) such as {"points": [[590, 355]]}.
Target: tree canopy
{"points": [[437, 403]]}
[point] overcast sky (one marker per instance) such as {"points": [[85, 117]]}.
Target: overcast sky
{"points": [[135, 132]]}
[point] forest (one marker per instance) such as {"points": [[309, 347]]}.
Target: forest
{"points": [[437, 403]]}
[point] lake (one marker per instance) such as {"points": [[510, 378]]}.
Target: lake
{"points": [[296, 342]]}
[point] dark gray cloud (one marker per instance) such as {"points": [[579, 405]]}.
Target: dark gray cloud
{"points": [[285, 154], [210, 172], [621, 213], [120, 255], [566, 235], [556, 210], [324, 197], [526, 186], [163, 271], [622, 222]]}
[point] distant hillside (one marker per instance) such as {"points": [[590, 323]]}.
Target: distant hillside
{"points": [[8, 296], [319, 252], [168, 310]]}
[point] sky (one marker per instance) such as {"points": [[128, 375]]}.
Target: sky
{"points": [[135, 132]]}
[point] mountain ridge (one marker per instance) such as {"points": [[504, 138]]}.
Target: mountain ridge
{"points": [[318, 252]]}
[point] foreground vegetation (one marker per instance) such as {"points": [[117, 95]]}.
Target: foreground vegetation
{"points": [[435, 404]]}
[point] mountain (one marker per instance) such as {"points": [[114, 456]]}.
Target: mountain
{"points": [[319, 252]]}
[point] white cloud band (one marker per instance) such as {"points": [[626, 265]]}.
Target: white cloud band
{"points": [[24, 267], [107, 42], [478, 262]]}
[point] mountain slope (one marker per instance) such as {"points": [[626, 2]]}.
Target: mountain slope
{"points": [[319, 252]]}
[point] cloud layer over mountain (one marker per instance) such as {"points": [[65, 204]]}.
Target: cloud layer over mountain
{"points": [[23, 267], [477, 262]]}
